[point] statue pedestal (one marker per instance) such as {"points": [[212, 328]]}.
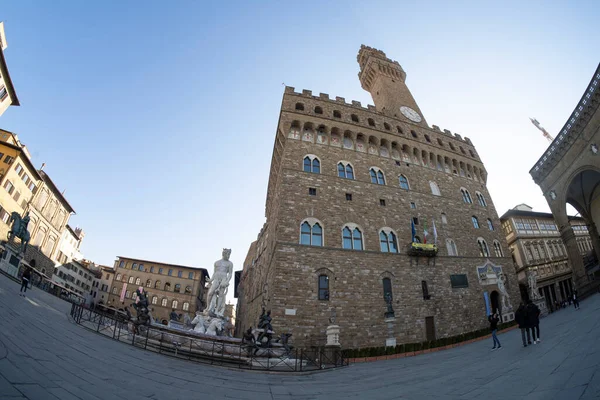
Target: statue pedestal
{"points": [[507, 317], [333, 335], [391, 339], [541, 303]]}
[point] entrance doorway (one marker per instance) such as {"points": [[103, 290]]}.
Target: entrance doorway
{"points": [[494, 299], [429, 329]]}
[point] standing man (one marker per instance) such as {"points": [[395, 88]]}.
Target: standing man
{"points": [[25, 281], [493, 319], [575, 300], [533, 319], [521, 318]]}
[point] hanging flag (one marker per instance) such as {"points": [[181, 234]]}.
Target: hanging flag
{"points": [[414, 231], [434, 233], [425, 233]]}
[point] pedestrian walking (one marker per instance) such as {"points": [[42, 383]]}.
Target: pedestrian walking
{"points": [[575, 300], [493, 319], [521, 318], [533, 320], [25, 281]]}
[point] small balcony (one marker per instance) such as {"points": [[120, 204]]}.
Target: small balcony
{"points": [[422, 250]]}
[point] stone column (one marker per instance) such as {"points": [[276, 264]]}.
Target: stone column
{"points": [[567, 235]]}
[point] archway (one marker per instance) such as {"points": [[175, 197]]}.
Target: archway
{"points": [[495, 302]]}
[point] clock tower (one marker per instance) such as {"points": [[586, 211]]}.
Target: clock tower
{"points": [[384, 79]]}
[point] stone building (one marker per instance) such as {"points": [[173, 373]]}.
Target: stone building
{"points": [[169, 286], [82, 277], [8, 96], [537, 247], [106, 282], [346, 184], [69, 245], [569, 172]]}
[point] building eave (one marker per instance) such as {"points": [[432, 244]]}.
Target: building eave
{"points": [[9, 85]]}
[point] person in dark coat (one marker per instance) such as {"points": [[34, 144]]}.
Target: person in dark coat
{"points": [[493, 319], [533, 320], [521, 319], [25, 281], [575, 300]]}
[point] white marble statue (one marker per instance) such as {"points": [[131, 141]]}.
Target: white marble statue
{"points": [[219, 285], [533, 289], [199, 323], [214, 326], [503, 292]]}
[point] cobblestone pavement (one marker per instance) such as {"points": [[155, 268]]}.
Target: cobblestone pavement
{"points": [[45, 356]]}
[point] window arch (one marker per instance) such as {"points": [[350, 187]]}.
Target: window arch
{"points": [[427, 138], [371, 122], [400, 131], [490, 224], [498, 249], [300, 106], [154, 299], [167, 286], [386, 126], [323, 287], [188, 289], [177, 288], [387, 288], [312, 164], [311, 233], [404, 182], [131, 279], [414, 134], [475, 222], [119, 276], [174, 304], [345, 170], [318, 110], [164, 302], [388, 241], [466, 196], [352, 237], [484, 251], [377, 176], [354, 118], [337, 114], [186, 306], [481, 199], [138, 281], [148, 283], [451, 247], [157, 285], [435, 190]]}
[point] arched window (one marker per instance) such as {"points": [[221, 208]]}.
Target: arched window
{"points": [[311, 235], [345, 170], [300, 106], [386, 126], [133, 295], [403, 182], [425, 289], [352, 238], [475, 222], [377, 176], [387, 288], [312, 164], [131, 279], [157, 285], [399, 130], [480, 199], [337, 114], [466, 196], [186, 306], [490, 224], [414, 134], [188, 289], [138, 281], [154, 299], [114, 290], [484, 251], [435, 190], [177, 288], [354, 118], [427, 138], [141, 267], [174, 304], [148, 283], [164, 302], [318, 110], [498, 249], [451, 247], [119, 276], [167, 286], [388, 242], [323, 287], [371, 122], [440, 142]]}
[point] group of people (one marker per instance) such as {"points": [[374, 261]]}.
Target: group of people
{"points": [[528, 318], [573, 299]]}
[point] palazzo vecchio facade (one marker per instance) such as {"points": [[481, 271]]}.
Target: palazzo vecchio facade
{"points": [[346, 184]]}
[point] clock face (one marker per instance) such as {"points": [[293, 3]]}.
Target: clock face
{"points": [[410, 114]]}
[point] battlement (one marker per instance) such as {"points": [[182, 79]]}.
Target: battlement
{"points": [[290, 90], [366, 51]]}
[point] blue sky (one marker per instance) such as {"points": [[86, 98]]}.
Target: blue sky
{"points": [[158, 118]]}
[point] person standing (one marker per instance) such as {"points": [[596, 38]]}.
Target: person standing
{"points": [[493, 319], [25, 281], [575, 300], [521, 318], [533, 320]]}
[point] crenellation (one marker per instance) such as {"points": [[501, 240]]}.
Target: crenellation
{"points": [[356, 103], [340, 99], [371, 107], [323, 96], [290, 90], [457, 136], [447, 132], [306, 92], [436, 128]]}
